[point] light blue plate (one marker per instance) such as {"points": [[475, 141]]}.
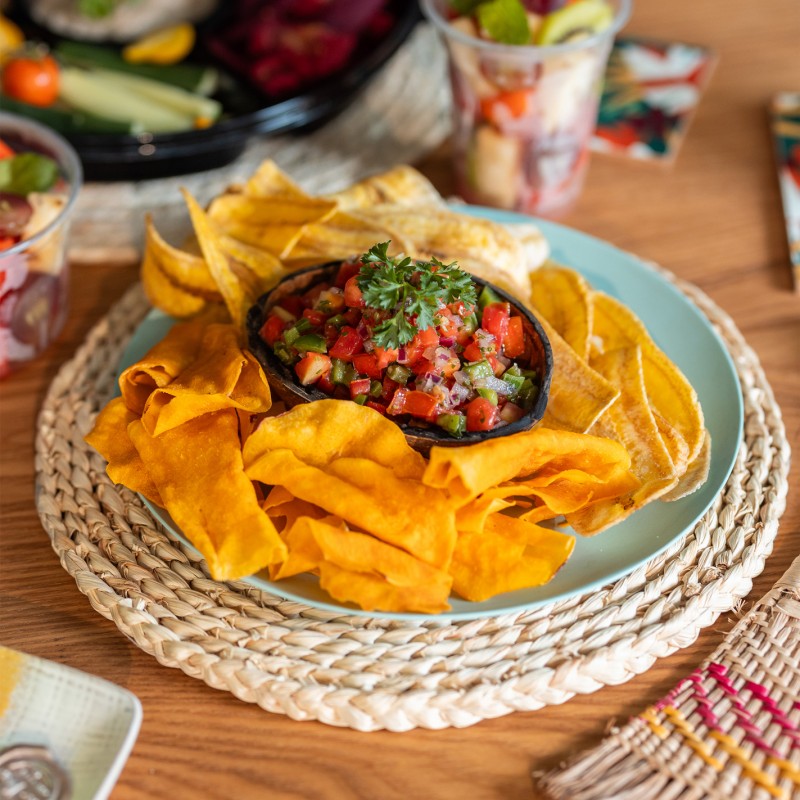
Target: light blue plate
{"points": [[684, 334]]}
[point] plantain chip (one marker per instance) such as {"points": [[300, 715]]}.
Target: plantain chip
{"points": [[696, 473]]}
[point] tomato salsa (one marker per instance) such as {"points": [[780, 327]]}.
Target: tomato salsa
{"points": [[411, 339]]}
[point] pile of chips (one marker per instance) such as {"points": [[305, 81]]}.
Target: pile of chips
{"points": [[333, 488]]}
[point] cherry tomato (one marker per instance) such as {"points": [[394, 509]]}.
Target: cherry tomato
{"points": [[32, 80]]}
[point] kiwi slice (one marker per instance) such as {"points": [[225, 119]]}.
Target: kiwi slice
{"points": [[581, 17]]}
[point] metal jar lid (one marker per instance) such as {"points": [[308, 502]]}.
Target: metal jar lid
{"points": [[29, 772]]}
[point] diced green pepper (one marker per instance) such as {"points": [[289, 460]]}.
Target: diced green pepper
{"points": [[338, 320], [487, 297], [454, 424], [361, 399], [399, 373], [533, 374], [291, 335], [471, 323], [527, 394], [342, 373], [488, 394], [283, 353], [513, 370], [375, 389], [513, 380], [311, 342], [478, 369], [303, 325]]}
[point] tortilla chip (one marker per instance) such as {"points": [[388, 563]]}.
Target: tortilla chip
{"points": [[269, 180], [535, 247], [304, 554], [561, 296], [161, 364], [508, 554], [221, 376], [165, 295], [109, 437], [373, 593], [198, 471]]}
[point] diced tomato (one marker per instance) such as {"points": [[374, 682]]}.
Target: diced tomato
{"points": [[292, 303], [330, 302], [316, 318], [384, 356], [398, 404], [427, 338], [347, 345], [352, 294], [495, 320], [389, 388], [511, 412], [495, 364], [6, 242], [481, 415], [272, 329], [379, 407], [311, 368], [5, 150], [367, 364], [410, 353], [360, 386], [325, 384], [472, 352], [514, 342], [447, 326], [346, 271], [422, 366], [461, 308], [420, 404], [312, 295]]}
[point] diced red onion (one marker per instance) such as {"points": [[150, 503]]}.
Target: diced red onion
{"points": [[461, 378], [362, 330], [401, 354], [459, 394], [447, 341]]}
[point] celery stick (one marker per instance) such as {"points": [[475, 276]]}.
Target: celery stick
{"points": [[92, 93]]}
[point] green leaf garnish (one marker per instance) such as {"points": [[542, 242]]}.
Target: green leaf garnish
{"points": [[505, 21], [409, 290], [26, 173]]}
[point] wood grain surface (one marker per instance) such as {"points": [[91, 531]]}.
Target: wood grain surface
{"points": [[714, 218]]}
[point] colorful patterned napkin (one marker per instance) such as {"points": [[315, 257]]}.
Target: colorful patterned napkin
{"points": [[651, 91], [785, 123]]}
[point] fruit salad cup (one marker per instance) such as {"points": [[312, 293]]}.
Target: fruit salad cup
{"points": [[524, 113], [40, 175]]}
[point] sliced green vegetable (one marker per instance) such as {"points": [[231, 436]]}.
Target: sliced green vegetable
{"points": [[361, 399], [26, 173], [65, 121], [515, 381], [311, 343], [303, 325], [190, 77], [290, 336], [487, 297], [479, 369], [92, 93], [454, 424], [342, 373], [399, 373], [283, 353], [590, 16], [375, 389], [488, 394], [505, 21]]}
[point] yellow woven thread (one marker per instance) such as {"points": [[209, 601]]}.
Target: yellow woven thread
{"points": [[692, 739], [729, 745]]}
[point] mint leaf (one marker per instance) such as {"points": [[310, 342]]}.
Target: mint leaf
{"points": [[26, 173], [505, 21]]}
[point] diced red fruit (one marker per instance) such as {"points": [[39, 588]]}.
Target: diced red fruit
{"points": [[353, 297], [495, 320], [293, 304], [511, 412], [379, 407], [460, 308], [7, 241], [347, 271], [311, 296], [514, 341], [384, 356], [367, 364], [330, 302], [347, 345], [398, 403], [472, 352], [325, 384], [420, 404], [426, 338], [410, 353], [316, 318], [312, 367], [360, 386], [495, 364], [542, 7], [390, 387], [352, 316], [481, 415], [5, 150], [272, 329], [423, 366]]}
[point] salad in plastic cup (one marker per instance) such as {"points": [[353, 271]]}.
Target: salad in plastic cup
{"points": [[526, 78], [40, 176]]}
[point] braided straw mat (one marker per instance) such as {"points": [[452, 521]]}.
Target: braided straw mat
{"points": [[367, 673]]}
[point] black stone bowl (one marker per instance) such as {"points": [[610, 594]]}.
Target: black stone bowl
{"points": [[538, 356]]}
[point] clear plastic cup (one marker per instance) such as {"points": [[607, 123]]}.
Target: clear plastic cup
{"points": [[34, 274], [523, 114]]}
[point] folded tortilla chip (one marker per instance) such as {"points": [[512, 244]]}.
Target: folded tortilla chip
{"points": [[166, 295], [221, 376], [109, 437], [401, 185], [198, 471], [269, 180], [508, 554], [304, 554]]}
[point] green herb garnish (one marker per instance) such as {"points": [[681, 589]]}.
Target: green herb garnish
{"points": [[26, 173], [413, 291], [505, 21]]}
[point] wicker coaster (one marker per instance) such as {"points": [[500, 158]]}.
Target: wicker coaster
{"points": [[368, 673]]}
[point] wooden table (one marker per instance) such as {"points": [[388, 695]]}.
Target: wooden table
{"points": [[714, 219]]}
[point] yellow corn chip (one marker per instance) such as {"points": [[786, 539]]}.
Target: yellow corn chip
{"points": [[270, 181], [166, 295], [221, 376], [198, 471], [402, 185], [304, 554], [109, 437]]}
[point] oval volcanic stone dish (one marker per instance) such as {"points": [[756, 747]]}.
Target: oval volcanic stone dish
{"points": [[283, 381]]}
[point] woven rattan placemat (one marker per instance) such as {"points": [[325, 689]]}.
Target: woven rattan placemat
{"points": [[367, 673]]}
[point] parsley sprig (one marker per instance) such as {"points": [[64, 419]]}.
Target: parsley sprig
{"points": [[411, 291]]}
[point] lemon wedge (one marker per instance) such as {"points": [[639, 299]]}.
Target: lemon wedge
{"points": [[165, 46]]}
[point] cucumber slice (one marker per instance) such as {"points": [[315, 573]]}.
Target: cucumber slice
{"points": [[67, 121], [92, 93], [585, 15], [169, 97], [190, 77]]}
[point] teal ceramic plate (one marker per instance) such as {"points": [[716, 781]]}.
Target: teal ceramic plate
{"points": [[684, 334]]}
